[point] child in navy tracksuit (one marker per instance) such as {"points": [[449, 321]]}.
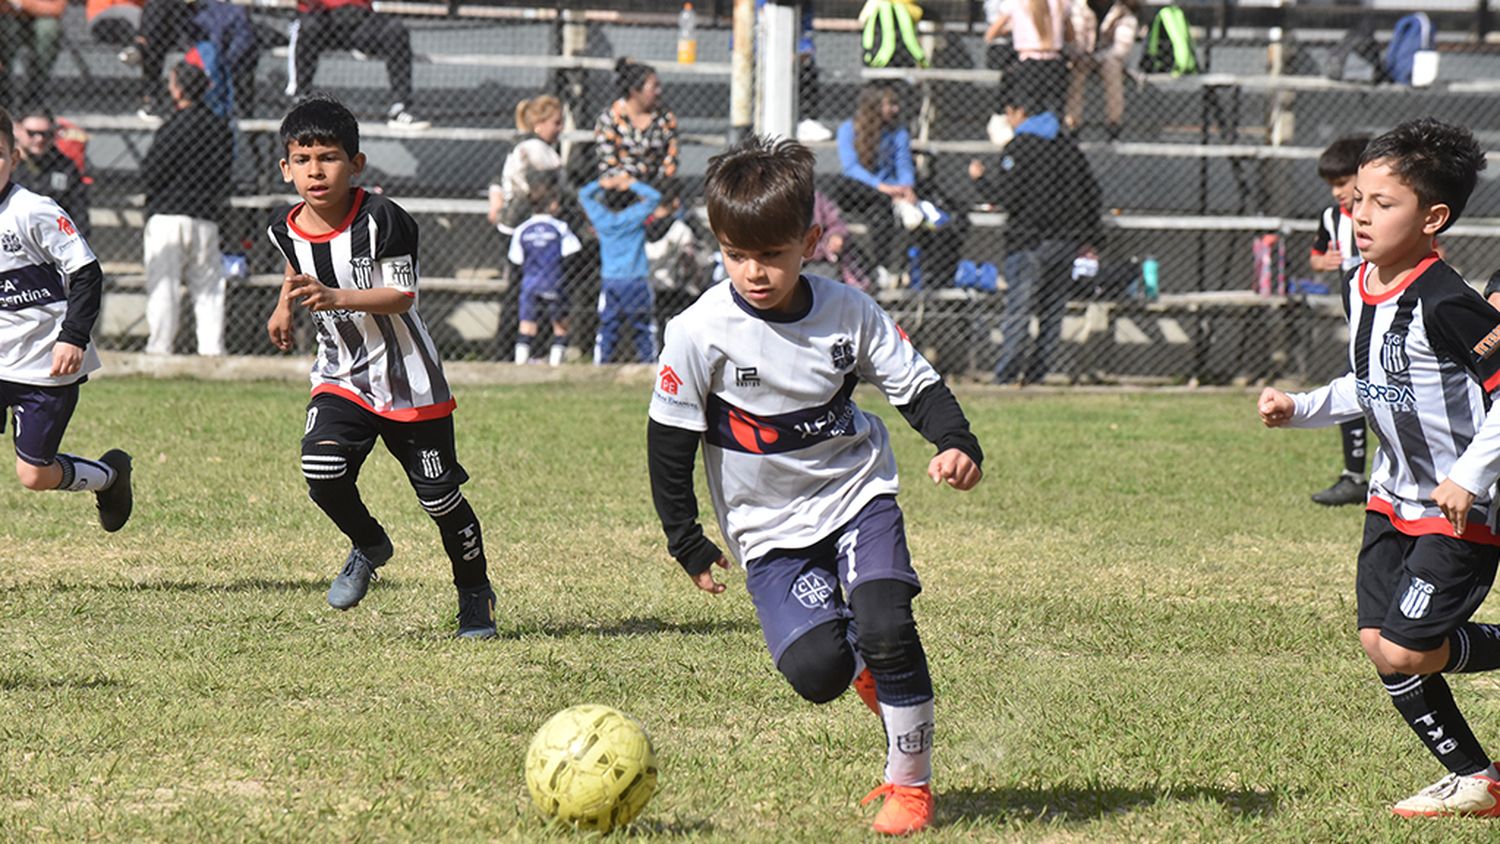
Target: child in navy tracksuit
{"points": [[618, 206]]}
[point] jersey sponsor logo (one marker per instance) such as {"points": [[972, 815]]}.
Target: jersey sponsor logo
{"points": [[362, 269], [916, 740], [65, 225], [29, 286], [811, 590], [10, 242], [1486, 347], [837, 422], [1418, 598], [669, 381], [1388, 395], [751, 432], [746, 376], [432, 463], [1393, 357], [740, 430], [843, 354]]}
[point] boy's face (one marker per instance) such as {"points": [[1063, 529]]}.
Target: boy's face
{"points": [[1342, 190], [1390, 223], [8, 156], [321, 172], [767, 278]]}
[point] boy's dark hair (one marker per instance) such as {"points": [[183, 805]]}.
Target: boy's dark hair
{"points": [[541, 195], [321, 119], [1341, 159], [1440, 161], [191, 80], [760, 192]]}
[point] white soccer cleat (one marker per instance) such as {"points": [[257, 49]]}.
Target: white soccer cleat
{"points": [[1474, 796], [810, 131]]}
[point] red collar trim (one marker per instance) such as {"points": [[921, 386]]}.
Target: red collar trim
{"points": [[291, 222], [1416, 272]]}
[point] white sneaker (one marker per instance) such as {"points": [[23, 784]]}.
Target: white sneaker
{"points": [[1475, 796], [400, 118], [886, 280], [910, 215], [811, 131]]}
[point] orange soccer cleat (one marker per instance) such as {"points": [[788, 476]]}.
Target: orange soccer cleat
{"points": [[907, 808], [864, 686]]}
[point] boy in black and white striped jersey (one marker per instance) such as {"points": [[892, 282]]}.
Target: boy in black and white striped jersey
{"points": [[1423, 350], [351, 260]]}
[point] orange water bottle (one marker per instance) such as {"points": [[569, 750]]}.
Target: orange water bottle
{"points": [[687, 35]]}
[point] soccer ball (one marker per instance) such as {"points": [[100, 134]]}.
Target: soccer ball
{"points": [[591, 767]]}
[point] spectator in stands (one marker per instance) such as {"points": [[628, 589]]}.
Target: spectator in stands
{"points": [[879, 181], [187, 174], [835, 246], [34, 26], [540, 247], [1046, 186], [618, 205], [532, 160], [637, 135], [114, 22], [218, 36], [324, 25], [45, 169], [809, 92], [672, 255], [1039, 31], [1105, 33]]}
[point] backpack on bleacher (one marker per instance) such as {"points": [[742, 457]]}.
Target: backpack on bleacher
{"points": [[1169, 45], [888, 34], [1413, 34]]}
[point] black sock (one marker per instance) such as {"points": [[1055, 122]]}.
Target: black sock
{"points": [[1353, 433], [887, 638], [1473, 647], [461, 539], [342, 504], [1426, 703]]}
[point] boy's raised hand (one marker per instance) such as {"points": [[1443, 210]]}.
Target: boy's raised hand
{"points": [[705, 579], [956, 468], [313, 294], [1275, 407]]}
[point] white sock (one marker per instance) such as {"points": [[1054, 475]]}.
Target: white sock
{"points": [[555, 357], [81, 474], [908, 736], [523, 349]]}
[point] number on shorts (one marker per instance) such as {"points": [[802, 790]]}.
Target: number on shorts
{"points": [[312, 419], [846, 548]]}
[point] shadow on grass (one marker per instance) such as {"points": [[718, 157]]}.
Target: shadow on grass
{"points": [[1068, 805], [248, 584], [634, 626], [21, 681]]}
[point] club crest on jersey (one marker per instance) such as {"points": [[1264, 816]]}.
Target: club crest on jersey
{"points": [[363, 271], [843, 354], [11, 242], [811, 590], [1393, 357], [1418, 598], [432, 464]]}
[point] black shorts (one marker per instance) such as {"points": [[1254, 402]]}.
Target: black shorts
{"points": [[40, 415], [425, 448], [1419, 589]]}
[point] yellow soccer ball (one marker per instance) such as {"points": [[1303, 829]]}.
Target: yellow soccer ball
{"points": [[591, 767]]}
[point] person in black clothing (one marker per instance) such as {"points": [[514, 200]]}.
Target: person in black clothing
{"points": [[187, 174], [1046, 186], [44, 169]]}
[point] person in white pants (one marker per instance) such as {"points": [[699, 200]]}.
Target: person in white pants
{"points": [[187, 173]]}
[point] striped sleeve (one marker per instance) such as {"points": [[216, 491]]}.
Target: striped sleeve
{"points": [[1465, 328]]}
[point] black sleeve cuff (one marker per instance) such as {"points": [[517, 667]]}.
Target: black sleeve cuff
{"points": [[935, 414]]}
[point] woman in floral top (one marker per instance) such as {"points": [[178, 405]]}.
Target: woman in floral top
{"points": [[636, 135]]}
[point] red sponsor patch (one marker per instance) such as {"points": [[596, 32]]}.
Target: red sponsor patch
{"points": [[65, 226], [1486, 347], [752, 434], [669, 381]]}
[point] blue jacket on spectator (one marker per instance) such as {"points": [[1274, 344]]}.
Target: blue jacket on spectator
{"points": [[892, 160], [622, 233]]}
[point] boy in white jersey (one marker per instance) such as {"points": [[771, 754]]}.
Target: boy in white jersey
{"points": [[1423, 348], [1334, 251], [50, 289], [761, 372], [351, 260]]}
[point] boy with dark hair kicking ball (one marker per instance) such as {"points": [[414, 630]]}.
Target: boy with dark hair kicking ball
{"points": [[761, 372], [351, 260], [1335, 251], [1423, 349], [50, 289]]}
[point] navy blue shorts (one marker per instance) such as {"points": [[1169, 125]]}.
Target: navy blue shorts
{"points": [[795, 590], [543, 304], [1419, 589], [41, 417]]}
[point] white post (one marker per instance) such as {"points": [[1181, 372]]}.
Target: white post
{"points": [[742, 80], [777, 69]]}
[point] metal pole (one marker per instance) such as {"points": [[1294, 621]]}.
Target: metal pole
{"points": [[777, 74], [742, 80]]}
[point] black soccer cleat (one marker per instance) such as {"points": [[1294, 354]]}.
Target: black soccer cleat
{"points": [[353, 580], [1345, 490], [116, 500], [476, 613]]}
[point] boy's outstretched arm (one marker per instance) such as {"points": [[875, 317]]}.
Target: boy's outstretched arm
{"points": [[670, 454], [1335, 402], [316, 296], [935, 414], [85, 292]]}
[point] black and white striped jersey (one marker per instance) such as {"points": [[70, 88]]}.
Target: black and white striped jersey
{"points": [[1336, 234], [385, 363], [1424, 372]]}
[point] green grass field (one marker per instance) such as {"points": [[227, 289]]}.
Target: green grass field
{"points": [[1139, 629]]}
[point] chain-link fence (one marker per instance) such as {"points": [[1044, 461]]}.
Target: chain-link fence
{"points": [[1208, 190]]}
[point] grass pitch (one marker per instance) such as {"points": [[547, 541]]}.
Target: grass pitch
{"points": [[1139, 629]]}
